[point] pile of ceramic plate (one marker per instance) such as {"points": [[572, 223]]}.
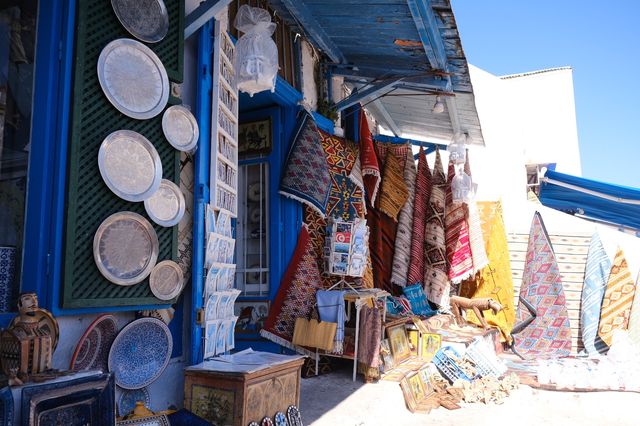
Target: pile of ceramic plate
{"points": [[135, 81]]}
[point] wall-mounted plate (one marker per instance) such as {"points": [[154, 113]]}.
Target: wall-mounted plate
{"points": [[180, 128], [146, 20], [166, 206], [166, 280]]}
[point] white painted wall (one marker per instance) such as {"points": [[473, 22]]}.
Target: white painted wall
{"points": [[309, 59]]}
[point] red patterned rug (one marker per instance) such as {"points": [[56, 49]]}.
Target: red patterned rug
{"points": [[420, 207], [456, 233]]}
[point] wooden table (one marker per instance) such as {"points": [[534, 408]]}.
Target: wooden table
{"points": [[236, 395]]}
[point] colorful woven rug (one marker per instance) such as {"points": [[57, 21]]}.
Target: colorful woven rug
{"points": [[296, 295], [422, 189], [382, 228], [456, 231], [393, 190], [402, 253], [634, 320], [596, 275], [618, 298], [436, 280], [493, 281], [476, 241], [549, 334], [368, 160], [305, 176]]}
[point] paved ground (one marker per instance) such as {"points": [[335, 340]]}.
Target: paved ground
{"points": [[335, 400]]}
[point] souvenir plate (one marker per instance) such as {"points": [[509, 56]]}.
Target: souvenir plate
{"points": [[133, 78], [146, 20], [129, 397], [130, 165], [92, 350], [166, 280], [125, 248], [140, 353], [46, 322], [180, 128], [166, 206]]}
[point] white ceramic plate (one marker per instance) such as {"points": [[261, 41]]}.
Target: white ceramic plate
{"points": [[130, 165], [133, 78]]}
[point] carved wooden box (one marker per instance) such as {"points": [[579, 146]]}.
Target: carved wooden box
{"points": [[236, 399]]}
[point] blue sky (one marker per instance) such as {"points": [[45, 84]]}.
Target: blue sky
{"points": [[599, 40]]}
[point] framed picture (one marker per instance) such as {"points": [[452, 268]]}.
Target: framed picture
{"points": [[251, 315], [387, 356], [399, 343], [254, 137], [431, 343], [409, 395]]}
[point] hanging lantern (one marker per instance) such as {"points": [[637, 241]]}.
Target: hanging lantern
{"points": [[256, 52], [457, 148], [462, 188]]}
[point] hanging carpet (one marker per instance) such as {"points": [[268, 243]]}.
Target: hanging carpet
{"points": [[436, 280], [495, 280], [422, 190], [370, 169], [402, 253], [306, 176], [369, 339], [596, 275], [549, 335], [393, 190], [618, 298], [456, 230], [382, 228], [296, 295], [634, 320], [476, 240]]}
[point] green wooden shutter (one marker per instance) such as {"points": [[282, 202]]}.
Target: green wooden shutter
{"points": [[89, 201]]}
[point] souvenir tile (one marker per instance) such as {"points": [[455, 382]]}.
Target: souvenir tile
{"points": [[221, 337], [209, 220], [210, 335], [211, 307]]}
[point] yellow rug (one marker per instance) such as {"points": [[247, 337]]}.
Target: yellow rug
{"points": [[494, 280]]}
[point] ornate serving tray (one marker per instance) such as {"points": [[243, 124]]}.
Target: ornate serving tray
{"points": [[180, 128], [125, 248], [146, 20], [130, 165], [133, 78], [92, 350], [166, 206], [140, 353], [166, 280]]}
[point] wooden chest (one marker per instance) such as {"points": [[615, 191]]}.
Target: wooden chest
{"points": [[238, 398]]}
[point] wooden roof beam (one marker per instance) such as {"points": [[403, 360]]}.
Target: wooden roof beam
{"points": [[202, 14], [363, 95], [382, 115], [305, 18], [427, 26]]}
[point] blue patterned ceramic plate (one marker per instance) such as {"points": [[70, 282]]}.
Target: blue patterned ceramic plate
{"points": [[140, 353], [128, 399]]}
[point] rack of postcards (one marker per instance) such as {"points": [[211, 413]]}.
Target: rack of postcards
{"points": [[346, 247], [219, 292]]}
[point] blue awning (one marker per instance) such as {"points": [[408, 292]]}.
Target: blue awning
{"points": [[594, 200]]}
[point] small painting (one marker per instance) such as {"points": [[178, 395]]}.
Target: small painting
{"points": [[211, 332], [251, 315], [254, 137], [399, 343], [387, 356], [431, 343]]}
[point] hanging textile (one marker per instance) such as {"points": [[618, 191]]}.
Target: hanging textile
{"points": [[306, 176], [369, 166], [402, 251], [382, 228], [345, 201], [331, 309], [456, 231], [634, 319], [618, 298], [476, 241], [495, 280], [393, 191], [296, 295], [422, 190], [549, 334], [369, 339], [436, 280], [596, 275]]}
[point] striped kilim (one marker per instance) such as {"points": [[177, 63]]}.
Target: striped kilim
{"points": [[420, 208], [596, 275], [476, 240], [382, 228], [618, 298], [456, 231], [549, 334], [495, 280], [634, 320], [393, 190], [402, 253], [436, 281]]}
